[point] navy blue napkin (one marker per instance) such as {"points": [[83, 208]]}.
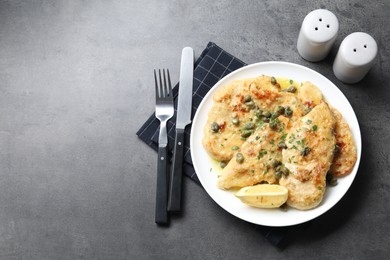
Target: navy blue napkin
{"points": [[213, 64]]}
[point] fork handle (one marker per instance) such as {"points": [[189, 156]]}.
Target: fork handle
{"points": [[161, 216], [174, 202]]}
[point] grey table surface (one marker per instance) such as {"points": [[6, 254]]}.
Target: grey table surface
{"points": [[76, 84]]}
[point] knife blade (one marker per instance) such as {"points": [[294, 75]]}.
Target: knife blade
{"points": [[183, 118]]}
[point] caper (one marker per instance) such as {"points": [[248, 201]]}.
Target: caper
{"points": [[247, 98], [250, 104], [280, 110], [222, 164], [282, 145], [235, 121], [331, 180], [266, 119], [259, 113], [239, 158], [278, 175], [288, 111], [273, 124], [273, 80], [234, 148], [246, 133], [267, 114], [249, 126], [276, 163], [305, 151], [291, 89], [215, 127], [285, 171], [274, 115]]}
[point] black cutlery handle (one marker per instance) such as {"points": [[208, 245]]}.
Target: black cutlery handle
{"points": [[161, 216], [174, 202]]}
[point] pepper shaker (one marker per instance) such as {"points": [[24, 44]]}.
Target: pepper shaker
{"points": [[355, 57], [317, 35]]}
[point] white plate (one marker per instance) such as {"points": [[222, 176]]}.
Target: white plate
{"points": [[226, 199]]}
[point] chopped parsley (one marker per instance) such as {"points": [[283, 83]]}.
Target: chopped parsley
{"points": [[261, 153], [301, 142]]}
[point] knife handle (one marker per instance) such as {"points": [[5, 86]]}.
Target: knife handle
{"points": [[161, 216], [174, 202]]}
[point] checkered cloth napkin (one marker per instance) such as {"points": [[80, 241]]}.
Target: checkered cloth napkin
{"points": [[213, 64]]}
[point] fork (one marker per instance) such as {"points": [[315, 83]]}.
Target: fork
{"points": [[164, 111]]}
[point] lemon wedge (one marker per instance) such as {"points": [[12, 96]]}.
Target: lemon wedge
{"points": [[263, 195]]}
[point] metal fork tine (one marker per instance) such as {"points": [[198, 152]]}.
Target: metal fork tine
{"points": [[165, 85], [169, 83], [156, 85], [161, 85]]}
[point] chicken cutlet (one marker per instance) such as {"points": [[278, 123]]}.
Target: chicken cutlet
{"points": [[310, 147], [345, 152], [239, 104], [256, 160]]}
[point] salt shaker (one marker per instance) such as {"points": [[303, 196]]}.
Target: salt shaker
{"points": [[355, 57], [317, 35]]}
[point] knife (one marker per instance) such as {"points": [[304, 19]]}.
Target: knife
{"points": [[183, 118]]}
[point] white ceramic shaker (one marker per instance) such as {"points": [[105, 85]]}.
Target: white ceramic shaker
{"points": [[355, 57], [317, 35]]}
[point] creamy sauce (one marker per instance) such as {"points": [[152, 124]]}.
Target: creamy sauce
{"points": [[215, 167]]}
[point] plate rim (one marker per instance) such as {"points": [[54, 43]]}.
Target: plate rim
{"points": [[357, 137]]}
